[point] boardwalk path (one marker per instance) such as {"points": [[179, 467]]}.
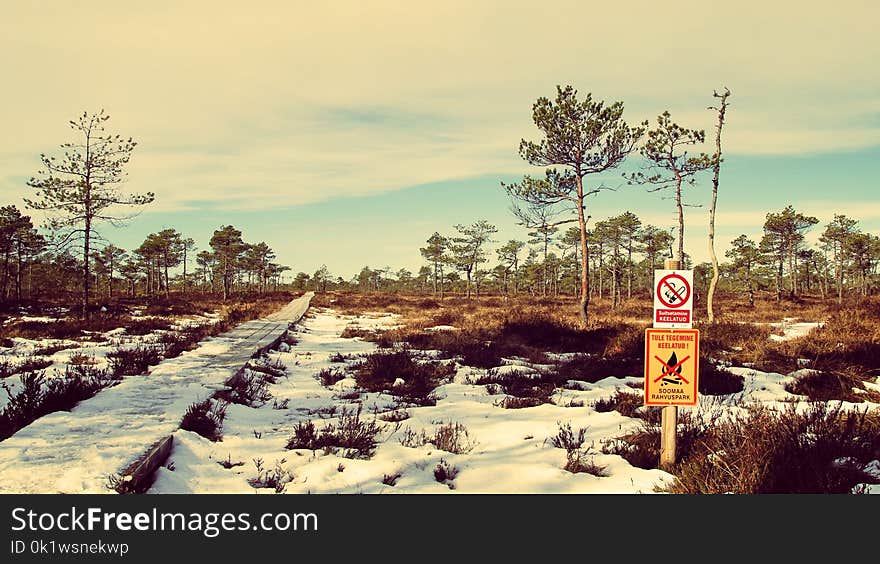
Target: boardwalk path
{"points": [[76, 451]]}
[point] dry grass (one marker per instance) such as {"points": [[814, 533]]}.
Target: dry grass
{"points": [[817, 450], [119, 313]]}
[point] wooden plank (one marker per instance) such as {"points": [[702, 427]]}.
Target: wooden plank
{"points": [[138, 477]]}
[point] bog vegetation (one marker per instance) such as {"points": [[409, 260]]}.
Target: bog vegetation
{"points": [[575, 295]]}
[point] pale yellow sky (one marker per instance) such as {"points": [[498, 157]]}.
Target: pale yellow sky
{"points": [[251, 102]]}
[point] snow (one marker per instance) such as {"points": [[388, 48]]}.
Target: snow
{"points": [[76, 451], [792, 329], [510, 448], [95, 349], [511, 453]]}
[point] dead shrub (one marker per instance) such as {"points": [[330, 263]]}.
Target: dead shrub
{"points": [[625, 403], [827, 386], [453, 437], [39, 396], [566, 438], [715, 381], [133, 361], [275, 478], [820, 449], [384, 372], [513, 402], [355, 437], [205, 418], [330, 376], [584, 462], [641, 448], [445, 473], [591, 368], [246, 387]]}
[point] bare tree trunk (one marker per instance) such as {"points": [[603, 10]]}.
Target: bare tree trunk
{"points": [[680, 257], [722, 109], [167, 281], [629, 272], [5, 275], [86, 271], [779, 279], [18, 274], [584, 304]]}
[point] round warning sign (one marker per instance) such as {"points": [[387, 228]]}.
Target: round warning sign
{"points": [[673, 291]]}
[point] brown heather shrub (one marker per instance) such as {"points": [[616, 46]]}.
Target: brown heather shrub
{"points": [[848, 342], [641, 448], [453, 437], [330, 376], [715, 381], [524, 389], [513, 402], [379, 371], [133, 361], [352, 435], [625, 403], [594, 368], [724, 336], [826, 386], [584, 462], [445, 473], [818, 450], [566, 438], [205, 418]]}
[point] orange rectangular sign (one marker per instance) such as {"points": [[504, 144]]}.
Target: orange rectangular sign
{"points": [[672, 366]]}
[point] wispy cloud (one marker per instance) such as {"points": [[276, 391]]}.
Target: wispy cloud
{"points": [[290, 102]]}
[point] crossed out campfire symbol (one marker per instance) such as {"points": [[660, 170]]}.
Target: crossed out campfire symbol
{"points": [[671, 370]]}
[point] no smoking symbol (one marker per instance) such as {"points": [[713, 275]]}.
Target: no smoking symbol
{"points": [[673, 291]]}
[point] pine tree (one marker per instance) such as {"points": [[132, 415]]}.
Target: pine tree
{"points": [[80, 189]]}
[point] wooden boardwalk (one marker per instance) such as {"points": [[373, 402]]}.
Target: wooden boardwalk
{"points": [[76, 451]]}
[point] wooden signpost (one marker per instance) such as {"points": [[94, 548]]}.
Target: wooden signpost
{"points": [[672, 353]]}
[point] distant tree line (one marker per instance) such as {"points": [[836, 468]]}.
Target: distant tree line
{"points": [[80, 189], [623, 254]]}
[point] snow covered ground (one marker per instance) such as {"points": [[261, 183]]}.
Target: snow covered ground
{"points": [[76, 451], [790, 328], [510, 451], [504, 450], [61, 353]]}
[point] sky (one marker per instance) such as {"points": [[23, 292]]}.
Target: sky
{"points": [[346, 133]]}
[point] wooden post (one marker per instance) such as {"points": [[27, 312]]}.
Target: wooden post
{"points": [[669, 415]]}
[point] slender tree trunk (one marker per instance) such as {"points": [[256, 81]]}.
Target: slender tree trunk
{"points": [[680, 218], [86, 272], [583, 308], [544, 267], [779, 278], [629, 273], [18, 274], [5, 274], [722, 109]]}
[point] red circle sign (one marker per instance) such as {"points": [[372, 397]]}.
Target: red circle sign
{"points": [[673, 291]]}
